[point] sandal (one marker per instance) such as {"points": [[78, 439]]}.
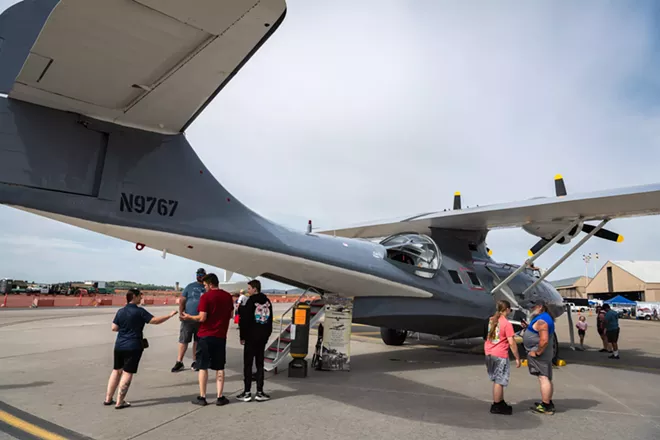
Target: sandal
{"points": [[123, 405], [112, 402]]}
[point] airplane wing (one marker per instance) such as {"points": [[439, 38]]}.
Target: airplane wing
{"points": [[608, 204], [148, 64]]}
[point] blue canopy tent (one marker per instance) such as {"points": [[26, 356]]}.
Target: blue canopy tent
{"points": [[619, 300]]}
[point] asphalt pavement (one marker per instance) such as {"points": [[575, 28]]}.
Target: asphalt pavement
{"points": [[54, 367]]}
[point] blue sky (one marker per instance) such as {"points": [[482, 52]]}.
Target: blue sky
{"points": [[488, 98]]}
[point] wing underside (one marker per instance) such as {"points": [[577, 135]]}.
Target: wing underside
{"points": [[626, 202], [149, 64]]}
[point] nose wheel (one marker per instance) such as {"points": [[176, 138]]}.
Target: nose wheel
{"points": [[392, 336]]}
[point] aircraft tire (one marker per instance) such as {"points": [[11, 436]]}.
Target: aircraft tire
{"points": [[392, 336]]}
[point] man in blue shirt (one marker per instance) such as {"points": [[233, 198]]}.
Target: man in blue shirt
{"points": [[538, 342], [188, 304], [612, 330]]}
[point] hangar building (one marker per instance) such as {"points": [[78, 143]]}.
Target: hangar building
{"points": [[635, 280], [575, 287]]}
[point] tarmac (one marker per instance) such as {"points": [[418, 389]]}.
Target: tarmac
{"points": [[55, 363]]}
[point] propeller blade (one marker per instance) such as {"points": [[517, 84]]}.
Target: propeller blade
{"points": [[537, 247], [457, 200], [603, 233], [560, 186], [490, 251]]}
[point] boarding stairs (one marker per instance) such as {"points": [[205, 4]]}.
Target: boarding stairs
{"points": [[278, 351]]}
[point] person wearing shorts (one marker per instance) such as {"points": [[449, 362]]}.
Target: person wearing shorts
{"points": [[216, 308], [129, 324], [499, 339], [582, 329], [600, 328], [540, 351], [612, 330], [188, 329]]}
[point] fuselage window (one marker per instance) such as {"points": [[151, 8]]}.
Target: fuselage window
{"points": [[473, 278], [455, 277]]}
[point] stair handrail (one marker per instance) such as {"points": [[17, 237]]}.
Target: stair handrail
{"points": [[279, 336]]}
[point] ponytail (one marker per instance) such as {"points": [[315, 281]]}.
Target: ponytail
{"points": [[502, 307]]}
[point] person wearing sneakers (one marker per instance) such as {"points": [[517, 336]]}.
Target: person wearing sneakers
{"points": [[256, 326], [499, 340], [189, 302], [216, 308], [612, 330], [537, 341]]}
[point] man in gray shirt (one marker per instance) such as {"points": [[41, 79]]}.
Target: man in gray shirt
{"points": [[188, 330]]}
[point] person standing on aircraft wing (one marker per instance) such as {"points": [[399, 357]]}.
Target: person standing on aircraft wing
{"points": [[216, 308], [189, 302], [256, 326], [498, 341], [537, 342]]}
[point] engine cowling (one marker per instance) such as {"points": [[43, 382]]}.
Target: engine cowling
{"points": [[549, 230]]}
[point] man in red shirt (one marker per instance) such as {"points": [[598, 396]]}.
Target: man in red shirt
{"points": [[216, 308]]}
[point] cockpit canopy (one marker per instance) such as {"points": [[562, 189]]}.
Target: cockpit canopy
{"points": [[418, 252]]}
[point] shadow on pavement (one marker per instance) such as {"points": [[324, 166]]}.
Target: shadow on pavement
{"points": [[374, 384], [25, 385]]}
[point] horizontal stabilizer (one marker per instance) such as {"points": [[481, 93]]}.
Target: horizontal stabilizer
{"points": [[149, 64]]}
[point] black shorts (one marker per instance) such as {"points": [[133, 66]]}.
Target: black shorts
{"points": [[211, 353], [613, 336], [581, 332], [127, 360]]}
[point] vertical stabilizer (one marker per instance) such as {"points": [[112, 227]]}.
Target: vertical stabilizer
{"points": [[20, 26]]}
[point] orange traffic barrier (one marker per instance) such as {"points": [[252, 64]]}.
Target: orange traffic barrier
{"points": [[39, 302]]}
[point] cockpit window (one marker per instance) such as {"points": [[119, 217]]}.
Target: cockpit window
{"points": [[416, 250]]}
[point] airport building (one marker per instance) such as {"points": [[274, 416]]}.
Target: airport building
{"points": [[635, 280], [574, 287]]}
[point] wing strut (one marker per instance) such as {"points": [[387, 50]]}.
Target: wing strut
{"points": [[566, 255], [556, 265], [530, 260]]}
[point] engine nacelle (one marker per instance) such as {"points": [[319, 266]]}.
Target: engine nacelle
{"points": [[549, 230]]}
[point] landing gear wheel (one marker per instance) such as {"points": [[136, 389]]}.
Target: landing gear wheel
{"points": [[555, 347], [393, 337]]}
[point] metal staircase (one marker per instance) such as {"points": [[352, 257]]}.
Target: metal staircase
{"points": [[277, 352]]}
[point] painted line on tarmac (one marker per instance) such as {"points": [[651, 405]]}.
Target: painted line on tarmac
{"points": [[25, 423]]}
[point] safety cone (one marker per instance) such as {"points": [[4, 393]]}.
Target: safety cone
{"points": [[4, 303]]}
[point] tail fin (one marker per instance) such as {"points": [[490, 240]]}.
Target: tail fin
{"points": [[20, 26]]}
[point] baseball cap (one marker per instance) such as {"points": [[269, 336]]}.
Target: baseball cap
{"points": [[201, 271]]}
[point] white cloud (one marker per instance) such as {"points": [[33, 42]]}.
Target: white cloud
{"points": [[353, 112]]}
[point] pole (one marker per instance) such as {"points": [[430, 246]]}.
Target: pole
{"points": [[566, 255]]}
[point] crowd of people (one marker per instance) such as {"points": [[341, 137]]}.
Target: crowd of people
{"points": [[205, 312]]}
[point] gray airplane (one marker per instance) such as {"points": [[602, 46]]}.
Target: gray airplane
{"points": [[96, 97]]}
